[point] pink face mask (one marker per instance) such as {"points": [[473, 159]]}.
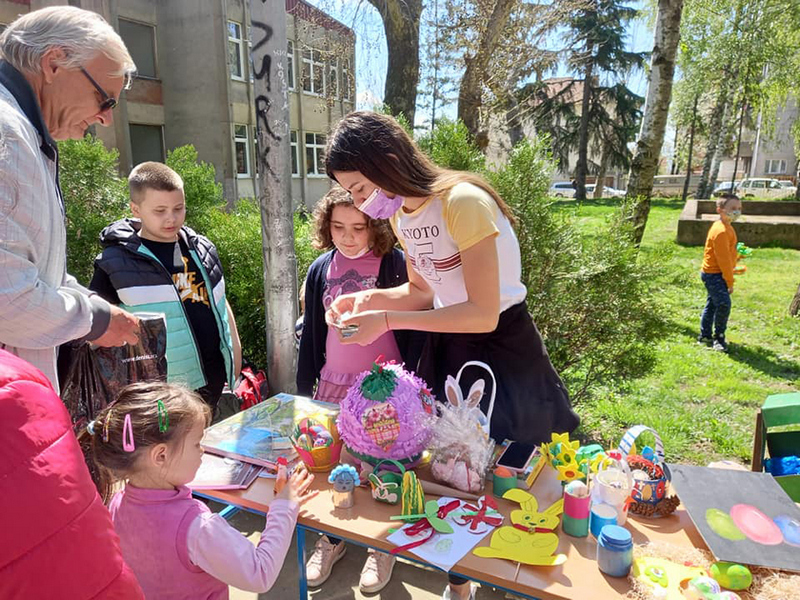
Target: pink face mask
{"points": [[379, 206]]}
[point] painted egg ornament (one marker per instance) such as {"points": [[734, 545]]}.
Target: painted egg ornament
{"points": [[383, 415], [702, 588], [731, 575]]}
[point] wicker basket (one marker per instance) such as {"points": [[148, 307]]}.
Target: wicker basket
{"points": [[652, 495]]}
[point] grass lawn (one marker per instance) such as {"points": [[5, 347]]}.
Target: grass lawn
{"points": [[702, 402]]}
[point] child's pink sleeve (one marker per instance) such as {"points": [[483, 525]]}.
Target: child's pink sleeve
{"points": [[223, 552]]}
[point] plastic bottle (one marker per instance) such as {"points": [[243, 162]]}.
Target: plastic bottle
{"points": [[615, 551]]}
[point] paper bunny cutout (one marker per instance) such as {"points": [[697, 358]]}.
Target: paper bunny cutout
{"points": [[471, 405]]}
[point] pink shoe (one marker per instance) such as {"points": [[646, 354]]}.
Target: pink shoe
{"points": [[319, 566], [377, 571]]}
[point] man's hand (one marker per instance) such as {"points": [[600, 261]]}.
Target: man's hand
{"points": [[122, 329]]}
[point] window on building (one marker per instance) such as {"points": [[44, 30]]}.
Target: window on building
{"points": [[241, 143], [313, 72], [235, 50], [776, 167], [347, 80], [147, 143], [333, 79], [295, 154], [290, 63], [315, 147], [141, 42]]}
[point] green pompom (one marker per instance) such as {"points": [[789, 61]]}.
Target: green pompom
{"points": [[379, 384]]}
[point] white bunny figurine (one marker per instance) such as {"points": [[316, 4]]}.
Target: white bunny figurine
{"points": [[471, 405]]}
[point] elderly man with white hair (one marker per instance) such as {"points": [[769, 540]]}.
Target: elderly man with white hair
{"points": [[61, 71]]}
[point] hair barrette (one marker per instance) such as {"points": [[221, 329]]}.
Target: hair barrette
{"points": [[90, 428], [127, 435], [163, 417], [105, 425]]}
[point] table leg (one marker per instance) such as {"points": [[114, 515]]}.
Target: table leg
{"points": [[301, 562]]}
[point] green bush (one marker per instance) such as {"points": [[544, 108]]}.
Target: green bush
{"points": [[200, 187], [94, 196], [591, 297], [448, 146]]}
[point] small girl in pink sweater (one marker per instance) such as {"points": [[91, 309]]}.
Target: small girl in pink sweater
{"points": [[177, 548]]}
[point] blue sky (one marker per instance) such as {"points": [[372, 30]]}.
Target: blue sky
{"points": [[371, 49]]}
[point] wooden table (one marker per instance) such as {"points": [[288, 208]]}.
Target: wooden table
{"points": [[367, 524]]}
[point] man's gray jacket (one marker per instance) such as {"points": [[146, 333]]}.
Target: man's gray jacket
{"points": [[41, 306]]}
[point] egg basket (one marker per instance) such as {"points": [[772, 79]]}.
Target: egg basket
{"points": [[316, 440], [386, 484], [650, 495]]}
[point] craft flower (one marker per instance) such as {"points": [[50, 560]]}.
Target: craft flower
{"points": [[568, 472], [601, 461]]}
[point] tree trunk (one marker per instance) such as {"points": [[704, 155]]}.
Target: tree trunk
{"points": [[600, 185], [794, 309], [656, 109], [470, 92], [274, 190], [691, 152], [401, 20], [582, 166], [716, 130]]}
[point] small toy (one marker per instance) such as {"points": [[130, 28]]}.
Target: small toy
{"points": [[383, 415], [530, 539], [344, 479], [664, 577], [743, 250], [461, 447], [385, 484], [731, 576]]}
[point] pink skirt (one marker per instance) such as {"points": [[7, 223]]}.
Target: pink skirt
{"points": [[332, 386]]}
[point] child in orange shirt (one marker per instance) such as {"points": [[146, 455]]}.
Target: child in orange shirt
{"points": [[719, 261]]}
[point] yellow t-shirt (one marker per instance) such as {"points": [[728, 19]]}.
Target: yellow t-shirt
{"points": [[436, 233]]}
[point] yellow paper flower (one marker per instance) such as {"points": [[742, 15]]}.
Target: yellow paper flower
{"points": [[568, 472], [563, 439], [600, 461]]}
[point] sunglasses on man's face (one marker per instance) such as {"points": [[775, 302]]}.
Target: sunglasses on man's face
{"points": [[108, 102]]}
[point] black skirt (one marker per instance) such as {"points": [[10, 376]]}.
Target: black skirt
{"points": [[531, 401]]}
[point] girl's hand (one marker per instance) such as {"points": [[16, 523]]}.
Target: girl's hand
{"points": [[296, 489], [371, 325], [343, 304]]}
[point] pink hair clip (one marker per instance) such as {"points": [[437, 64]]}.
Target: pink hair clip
{"points": [[127, 435]]}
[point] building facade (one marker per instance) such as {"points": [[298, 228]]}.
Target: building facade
{"points": [[195, 85]]}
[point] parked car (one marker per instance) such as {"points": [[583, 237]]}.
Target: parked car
{"points": [[788, 186], [760, 187], [608, 192], [672, 185], [562, 189], [725, 188]]}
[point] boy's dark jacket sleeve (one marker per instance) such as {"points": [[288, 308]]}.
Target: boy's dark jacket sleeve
{"points": [[101, 283], [315, 330]]}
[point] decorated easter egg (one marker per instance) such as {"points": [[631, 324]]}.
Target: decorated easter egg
{"points": [[756, 525], [305, 441], [702, 588], [731, 575], [382, 416]]}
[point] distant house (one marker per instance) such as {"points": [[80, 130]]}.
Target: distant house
{"points": [[500, 145], [195, 85], [763, 155]]}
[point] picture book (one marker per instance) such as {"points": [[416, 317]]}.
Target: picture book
{"points": [[260, 434], [220, 473]]}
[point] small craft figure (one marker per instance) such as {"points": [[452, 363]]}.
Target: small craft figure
{"points": [[530, 539], [344, 479]]}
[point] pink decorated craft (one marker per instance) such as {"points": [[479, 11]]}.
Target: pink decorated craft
{"points": [[386, 414]]}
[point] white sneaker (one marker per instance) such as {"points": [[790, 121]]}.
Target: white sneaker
{"points": [[377, 571], [449, 595], [318, 567]]}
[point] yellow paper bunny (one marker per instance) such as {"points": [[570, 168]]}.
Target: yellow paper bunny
{"points": [[530, 539]]}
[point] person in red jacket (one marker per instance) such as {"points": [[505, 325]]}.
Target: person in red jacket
{"points": [[56, 537]]}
